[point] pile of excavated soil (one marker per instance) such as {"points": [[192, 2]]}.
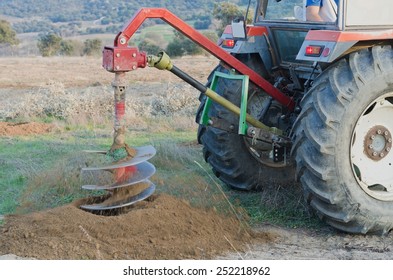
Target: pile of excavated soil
{"points": [[161, 228], [13, 129]]}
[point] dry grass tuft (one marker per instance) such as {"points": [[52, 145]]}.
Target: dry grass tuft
{"points": [[95, 104]]}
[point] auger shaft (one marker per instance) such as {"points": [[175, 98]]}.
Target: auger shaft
{"points": [[120, 106]]}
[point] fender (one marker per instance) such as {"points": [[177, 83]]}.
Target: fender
{"points": [[255, 42], [335, 44]]}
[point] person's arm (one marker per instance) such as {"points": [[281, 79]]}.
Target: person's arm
{"points": [[312, 13]]}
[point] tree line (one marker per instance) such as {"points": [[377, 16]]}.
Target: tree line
{"points": [[51, 43]]}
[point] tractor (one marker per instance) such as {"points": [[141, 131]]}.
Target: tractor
{"points": [[291, 99]]}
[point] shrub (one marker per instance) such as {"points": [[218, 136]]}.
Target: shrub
{"points": [[49, 45], [149, 46], [92, 47]]}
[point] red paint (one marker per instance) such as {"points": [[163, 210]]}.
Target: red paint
{"points": [[251, 30], [122, 38], [123, 59], [120, 108], [348, 36], [124, 174]]}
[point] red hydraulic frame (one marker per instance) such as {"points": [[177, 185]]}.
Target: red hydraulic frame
{"points": [[121, 58]]}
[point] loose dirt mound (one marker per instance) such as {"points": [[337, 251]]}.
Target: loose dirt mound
{"points": [[13, 129], [162, 228]]}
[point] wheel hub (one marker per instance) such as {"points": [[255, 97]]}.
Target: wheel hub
{"points": [[377, 142], [371, 156]]}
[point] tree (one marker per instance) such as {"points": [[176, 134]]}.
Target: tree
{"points": [[174, 49], [181, 45], [7, 34], [92, 47], [49, 45], [225, 12], [149, 46]]}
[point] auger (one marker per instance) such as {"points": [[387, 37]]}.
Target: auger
{"points": [[130, 169]]}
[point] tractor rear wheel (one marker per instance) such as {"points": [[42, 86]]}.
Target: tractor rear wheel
{"points": [[235, 159], [343, 140]]}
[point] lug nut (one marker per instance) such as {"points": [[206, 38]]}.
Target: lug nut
{"points": [[375, 154], [370, 146], [379, 131], [372, 137], [386, 133], [381, 154], [388, 149]]}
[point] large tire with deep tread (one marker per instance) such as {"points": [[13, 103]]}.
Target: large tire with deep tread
{"points": [[342, 99], [227, 152]]}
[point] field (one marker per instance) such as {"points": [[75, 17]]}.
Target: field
{"points": [[51, 109]]}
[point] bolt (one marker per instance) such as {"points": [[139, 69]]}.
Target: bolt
{"points": [[118, 55], [134, 55], [388, 149], [381, 102], [123, 40], [133, 67], [252, 132], [379, 131], [372, 137], [210, 122], [231, 127], [117, 67], [390, 140], [381, 154], [370, 146], [375, 154], [386, 133]]}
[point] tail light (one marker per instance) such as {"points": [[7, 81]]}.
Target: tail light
{"points": [[228, 43], [314, 50]]}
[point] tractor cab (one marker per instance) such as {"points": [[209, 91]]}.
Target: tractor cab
{"points": [[344, 27], [300, 49]]}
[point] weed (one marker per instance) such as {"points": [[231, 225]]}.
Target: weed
{"points": [[277, 205]]}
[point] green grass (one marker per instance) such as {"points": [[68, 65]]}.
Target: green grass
{"points": [[40, 172]]}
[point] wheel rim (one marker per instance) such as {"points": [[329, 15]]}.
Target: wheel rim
{"points": [[371, 154]]}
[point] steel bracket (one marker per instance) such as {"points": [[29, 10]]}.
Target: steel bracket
{"points": [[244, 97], [123, 59]]}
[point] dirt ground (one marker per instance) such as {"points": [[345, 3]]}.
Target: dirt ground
{"points": [[83, 72], [13, 129], [162, 227]]}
